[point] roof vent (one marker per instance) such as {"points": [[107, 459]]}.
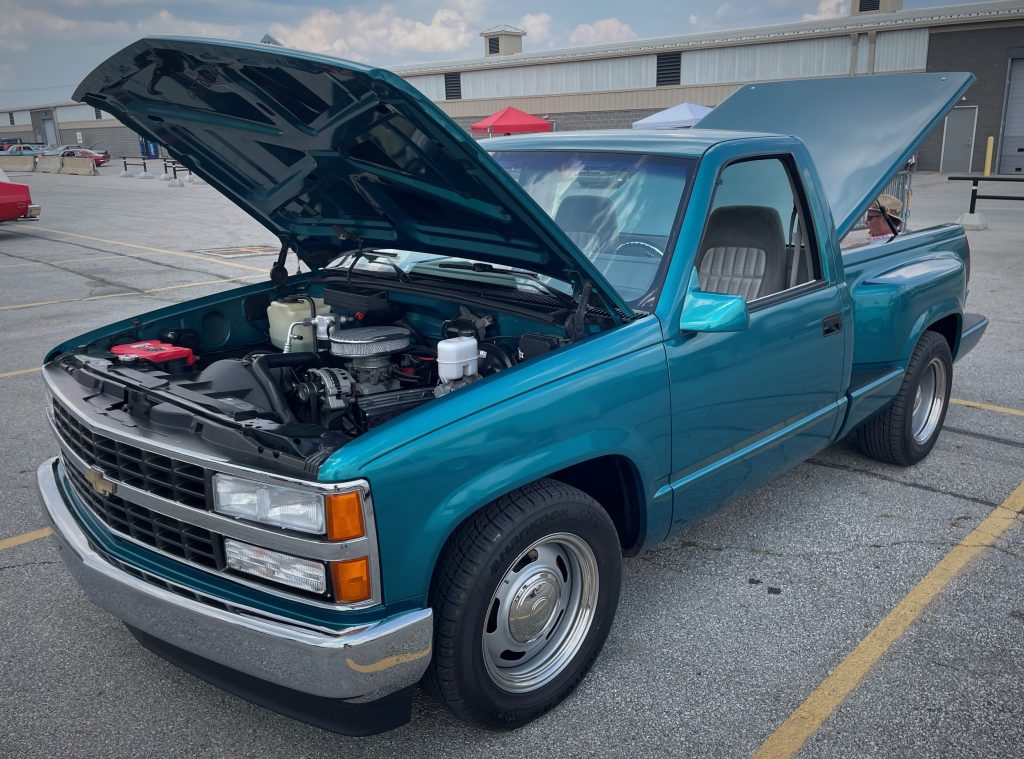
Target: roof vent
{"points": [[864, 7], [503, 40]]}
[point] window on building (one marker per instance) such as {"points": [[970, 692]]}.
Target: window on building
{"points": [[492, 45], [99, 113], [10, 117], [669, 69], [869, 5], [453, 87]]}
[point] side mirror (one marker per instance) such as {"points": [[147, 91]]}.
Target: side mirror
{"points": [[712, 312]]}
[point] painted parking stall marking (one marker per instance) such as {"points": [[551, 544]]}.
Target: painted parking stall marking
{"points": [[791, 736]]}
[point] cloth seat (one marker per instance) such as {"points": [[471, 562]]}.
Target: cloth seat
{"points": [[744, 252]]}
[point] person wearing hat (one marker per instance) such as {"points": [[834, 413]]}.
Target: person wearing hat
{"points": [[878, 227]]}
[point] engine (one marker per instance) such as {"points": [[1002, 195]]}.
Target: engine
{"points": [[330, 372], [342, 375]]}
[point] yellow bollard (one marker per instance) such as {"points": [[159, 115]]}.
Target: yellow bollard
{"points": [[989, 145]]}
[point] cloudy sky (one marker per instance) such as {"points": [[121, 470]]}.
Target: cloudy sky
{"points": [[47, 46]]}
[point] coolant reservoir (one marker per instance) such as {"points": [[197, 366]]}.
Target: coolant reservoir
{"points": [[283, 313], [457, 358]]}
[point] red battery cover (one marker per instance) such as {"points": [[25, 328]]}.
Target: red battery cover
{"points": [[155, 351]]}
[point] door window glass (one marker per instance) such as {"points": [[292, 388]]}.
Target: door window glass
{"points": [[757, 242]]}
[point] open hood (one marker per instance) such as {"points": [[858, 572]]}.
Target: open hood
{"points": [[305, 143], [860, 130]]}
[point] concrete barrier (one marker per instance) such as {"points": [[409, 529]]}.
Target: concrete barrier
{"points": [[83, 166], [49, 164], [18, 162]]}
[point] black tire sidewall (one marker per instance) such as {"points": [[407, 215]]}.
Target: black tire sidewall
{"points": [[936, 348], [492, 704]]}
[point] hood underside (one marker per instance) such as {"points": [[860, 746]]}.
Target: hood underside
{"points": [[331, 155], [860, 130]]}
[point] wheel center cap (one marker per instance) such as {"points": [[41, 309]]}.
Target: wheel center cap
{"points": [[533, 606]]}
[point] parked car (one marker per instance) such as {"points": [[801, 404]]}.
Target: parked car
{"points": [[98, 158], [103, 152], [16, 200], [425, 456], [25, 150]]}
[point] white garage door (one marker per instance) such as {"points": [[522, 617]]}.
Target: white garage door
{"points": [[1012, 159]]}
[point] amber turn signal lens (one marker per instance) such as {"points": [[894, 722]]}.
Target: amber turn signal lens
{"points": [[345, 516], [351, 580]]}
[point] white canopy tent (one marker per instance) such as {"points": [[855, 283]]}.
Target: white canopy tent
{"points": [[676, 117]]}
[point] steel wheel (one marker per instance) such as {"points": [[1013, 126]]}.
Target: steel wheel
{"points": [[540, 613], [524, 595], [929, 401], [906, 429]]}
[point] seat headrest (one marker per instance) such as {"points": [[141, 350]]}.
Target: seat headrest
{"points": [[757, 222], [587, 213]]}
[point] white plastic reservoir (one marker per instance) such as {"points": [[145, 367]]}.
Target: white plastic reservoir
{"points": [[282, 314], [457, 358]]}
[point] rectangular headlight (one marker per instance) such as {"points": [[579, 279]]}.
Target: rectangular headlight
{"points": [[275, 505], [278, 567]]}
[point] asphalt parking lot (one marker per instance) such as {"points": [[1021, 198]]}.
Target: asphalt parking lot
{"points": [[779, 605]]}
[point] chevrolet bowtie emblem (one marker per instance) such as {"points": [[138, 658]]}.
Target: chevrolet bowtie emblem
{"points": [[99, 481]]}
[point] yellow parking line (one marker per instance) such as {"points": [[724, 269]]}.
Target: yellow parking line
{"points": [[987, 407], [18, 372], [26, 537], [833, 691], [136, 293], [195, 256]]}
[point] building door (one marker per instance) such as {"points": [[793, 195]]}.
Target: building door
{"points": [[49, 133], [958, 140], [1011, 159]]}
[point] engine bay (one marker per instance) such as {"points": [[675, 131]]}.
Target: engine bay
{"points": [[332, 366]]}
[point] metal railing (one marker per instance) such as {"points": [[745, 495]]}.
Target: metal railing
{"points": [[976, 196]]}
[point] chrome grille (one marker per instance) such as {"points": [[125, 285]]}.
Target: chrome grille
{"points": [[186, 541], [160, 475]]}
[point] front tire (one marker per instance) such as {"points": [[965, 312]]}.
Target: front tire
{"points": [[523, 598], [906, 430]]}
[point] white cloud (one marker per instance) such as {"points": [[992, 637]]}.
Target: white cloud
{"points": [[721, 16], [165, 22], [361, 36], [22, 27], [828, 9], [602, 30], [537, 27]]}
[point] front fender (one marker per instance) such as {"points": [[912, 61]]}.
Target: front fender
{"points": [[425, 488]]}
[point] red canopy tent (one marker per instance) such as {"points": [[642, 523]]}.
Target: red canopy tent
{"points": [[510, 121]]}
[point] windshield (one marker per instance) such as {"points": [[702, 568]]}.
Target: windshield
{"points": [[619, 208]]}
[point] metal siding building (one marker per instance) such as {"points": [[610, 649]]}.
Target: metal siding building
{"points": [[613, 85]]}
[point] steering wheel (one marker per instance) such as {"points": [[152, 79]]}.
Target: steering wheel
{"points": [[643, 249]]}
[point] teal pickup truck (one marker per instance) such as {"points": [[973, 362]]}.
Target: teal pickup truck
{"points": [[502, 367]]}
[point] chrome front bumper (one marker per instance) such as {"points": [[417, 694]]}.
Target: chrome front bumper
{"points": [[358, 664], [33, 211]]}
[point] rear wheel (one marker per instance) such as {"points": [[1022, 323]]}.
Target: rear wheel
{"points": [[523, 598], [906, 430]]}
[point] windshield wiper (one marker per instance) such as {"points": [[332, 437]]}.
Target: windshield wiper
{"points": [[489, 269], [370, 256]]}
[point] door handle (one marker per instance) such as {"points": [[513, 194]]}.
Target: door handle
{"points": [[832, 325]]}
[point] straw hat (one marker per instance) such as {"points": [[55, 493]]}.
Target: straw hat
{"points": [[891, 204]]}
